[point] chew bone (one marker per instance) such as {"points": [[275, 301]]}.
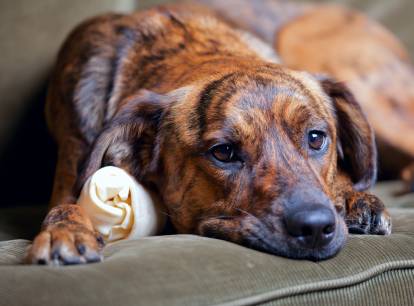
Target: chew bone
{"points": [[119, 207]]}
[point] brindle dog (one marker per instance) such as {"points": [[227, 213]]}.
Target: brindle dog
{"points": [[238, 147]]}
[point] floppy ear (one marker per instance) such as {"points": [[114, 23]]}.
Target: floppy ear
{"points": [[133, 135], [356, 142]]}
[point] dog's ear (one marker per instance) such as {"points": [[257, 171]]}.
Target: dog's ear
{"points": [[357, 154], [132, 137]]}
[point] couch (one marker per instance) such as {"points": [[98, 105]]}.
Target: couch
{"points": [[191, 270], [173, 269]]}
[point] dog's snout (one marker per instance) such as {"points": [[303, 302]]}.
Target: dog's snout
{"points": [[313, 227]]}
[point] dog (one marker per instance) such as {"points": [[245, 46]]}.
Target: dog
{"points": [[237, 146]]}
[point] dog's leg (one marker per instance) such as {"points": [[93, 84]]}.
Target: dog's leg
{"points": [[75, 111], [67, 235]]}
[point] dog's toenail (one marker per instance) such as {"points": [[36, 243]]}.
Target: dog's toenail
{"points": [[100, 240], [72, 261], [95, 259], [41, 261], [55, 255], [81, 249]]}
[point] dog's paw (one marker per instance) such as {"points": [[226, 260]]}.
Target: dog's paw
{"points": [[366, 214], [65, 244]]}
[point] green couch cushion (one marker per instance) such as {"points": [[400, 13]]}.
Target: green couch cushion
{"points": [[191, 270]]}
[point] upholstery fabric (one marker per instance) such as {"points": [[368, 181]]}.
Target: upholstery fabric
{"points": [[177, 269], [191, 270]]}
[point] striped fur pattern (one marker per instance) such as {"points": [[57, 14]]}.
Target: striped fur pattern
{"points": [[154, 91]]}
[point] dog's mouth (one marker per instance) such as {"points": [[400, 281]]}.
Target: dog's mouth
{"points": [[272, 237]]}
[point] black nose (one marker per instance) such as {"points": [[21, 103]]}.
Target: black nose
{"points": [[313, 227]]}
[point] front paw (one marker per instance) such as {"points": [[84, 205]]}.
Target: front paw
{"points": [[366, 214], [65, 244]]}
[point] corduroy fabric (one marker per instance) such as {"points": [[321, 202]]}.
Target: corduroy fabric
{"points": [[191, 270], [373, 292]]}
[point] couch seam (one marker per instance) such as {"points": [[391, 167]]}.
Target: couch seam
{"points": [[321, 285]]}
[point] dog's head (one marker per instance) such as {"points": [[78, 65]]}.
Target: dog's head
{"points": [[251, 157]]}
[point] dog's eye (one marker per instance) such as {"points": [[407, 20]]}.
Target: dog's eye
{"points": [[316, 140], [223, 152]]}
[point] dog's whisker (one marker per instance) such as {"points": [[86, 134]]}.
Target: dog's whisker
{"points": [[247, 213], [165, 213], [223, 217], [266, 225]]}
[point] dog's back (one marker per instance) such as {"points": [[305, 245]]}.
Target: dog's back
{"points": [[112, 56]]}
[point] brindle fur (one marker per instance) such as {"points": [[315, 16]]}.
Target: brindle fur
{"points": [[151, 92], [343, 43]]}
